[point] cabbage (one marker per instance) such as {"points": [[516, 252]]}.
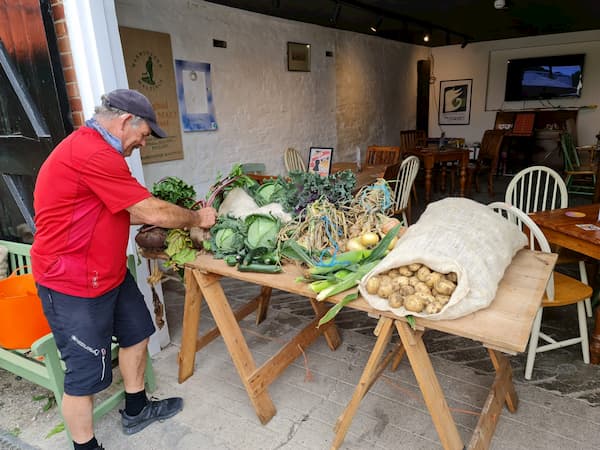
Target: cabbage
{"points": [[227, 236], [263, 230]]}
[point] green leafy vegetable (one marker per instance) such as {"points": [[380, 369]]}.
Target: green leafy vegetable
{"points": [[335, 309], [269, 192], [227, 236], [174, 190], [306, 187], [262, 231], [180, 248]]}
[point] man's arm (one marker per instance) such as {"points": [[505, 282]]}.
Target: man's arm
{"points": [[154, 211]]}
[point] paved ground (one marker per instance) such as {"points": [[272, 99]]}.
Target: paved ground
{"points": [[557, 409]]}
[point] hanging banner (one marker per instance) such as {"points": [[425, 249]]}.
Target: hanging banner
{"points": [[149, 65]]}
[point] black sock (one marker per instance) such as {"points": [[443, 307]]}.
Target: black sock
{"points": [[89, 445], [134, 403]]}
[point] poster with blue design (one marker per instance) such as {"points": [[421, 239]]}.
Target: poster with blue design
{"points": [[194, 93]]}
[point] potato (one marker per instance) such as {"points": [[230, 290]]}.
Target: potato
{"points": [[444, 287], [402, 280], [406, 290], [414, 303], [422, 287], [427, 298], [373, 284], [396, 300], [385, 278], [413, 281], [433, 278], [452, 277], [405, 271], [423, 273], [414, 267], [385, 290], [392, 273], [433, 308], [442, 299]]}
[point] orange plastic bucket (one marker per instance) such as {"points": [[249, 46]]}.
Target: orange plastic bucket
{"points": [[22, 319]]}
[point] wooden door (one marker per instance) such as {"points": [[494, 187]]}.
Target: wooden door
{"points": [[33, 105]]}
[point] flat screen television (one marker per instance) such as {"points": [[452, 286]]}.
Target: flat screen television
{"points": [[544, 77]]}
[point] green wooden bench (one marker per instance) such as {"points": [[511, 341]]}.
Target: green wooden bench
{"points": [[41, 363]]}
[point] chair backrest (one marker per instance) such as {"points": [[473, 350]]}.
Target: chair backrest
{"points": [[379, 154], [404, 182], [537, 188], [570, 155], [412, 139], [293, 161], [537, 240], [490, 146], [253, 168]]}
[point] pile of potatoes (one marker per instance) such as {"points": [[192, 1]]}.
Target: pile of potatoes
{"points": [[416, 287]]}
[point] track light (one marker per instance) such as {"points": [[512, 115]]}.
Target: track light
{"points": [[427, 36], [336, 13], [375, 27]]}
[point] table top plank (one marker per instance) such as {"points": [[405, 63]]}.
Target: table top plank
{"points": [[563, 230], [505, 325]]}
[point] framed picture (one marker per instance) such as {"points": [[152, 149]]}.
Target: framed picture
{"points": [[455, 102], [319, 160], [298, 56], [194, 94]]}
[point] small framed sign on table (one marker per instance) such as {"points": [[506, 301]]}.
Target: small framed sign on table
{"points": [[455, 102], [319, 160]]}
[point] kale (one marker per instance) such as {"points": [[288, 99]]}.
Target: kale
{"points": [[303, 188]]}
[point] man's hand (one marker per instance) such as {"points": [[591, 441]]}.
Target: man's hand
{"points": [[206, 217]]}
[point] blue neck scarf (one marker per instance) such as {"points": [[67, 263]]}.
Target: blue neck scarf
{"points": [[113, 141]]}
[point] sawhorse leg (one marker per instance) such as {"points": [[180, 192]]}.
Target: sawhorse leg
{"points": [[373, 369]]}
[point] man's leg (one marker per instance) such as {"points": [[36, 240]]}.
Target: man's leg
{"points": [[78, 415], [132, 363]]}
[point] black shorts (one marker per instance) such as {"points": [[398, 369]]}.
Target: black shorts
{"points": [[83, 330]]}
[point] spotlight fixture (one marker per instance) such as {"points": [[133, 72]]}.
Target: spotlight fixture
{"points": [[375, 27], [426, 37]]}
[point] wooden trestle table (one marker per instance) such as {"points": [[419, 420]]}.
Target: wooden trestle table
{"points": [[502, 327]]}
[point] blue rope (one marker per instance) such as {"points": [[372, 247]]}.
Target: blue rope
{"points": [[387, 195], [329, 228]]}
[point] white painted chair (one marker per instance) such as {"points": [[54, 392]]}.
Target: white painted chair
{"points": [[561, 290], [402, 186], [539, 188]]}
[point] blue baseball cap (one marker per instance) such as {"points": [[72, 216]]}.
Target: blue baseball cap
{"points": [[135, 103]]}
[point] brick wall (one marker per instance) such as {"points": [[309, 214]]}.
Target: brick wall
{"points": [[66, 58]]}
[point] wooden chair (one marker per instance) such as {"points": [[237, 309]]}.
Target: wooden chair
{"points": [[41, 363], [539, 188], [402, 185], [410, 140], [377, 154], [580, 167], [487, 160], [561, 290], [293, 161]]}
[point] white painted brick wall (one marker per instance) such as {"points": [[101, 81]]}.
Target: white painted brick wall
{"points": [[363, 95]]}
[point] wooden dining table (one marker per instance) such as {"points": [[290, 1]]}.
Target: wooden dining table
{"points": [[560, 226], [367, 174], [432, 155]]}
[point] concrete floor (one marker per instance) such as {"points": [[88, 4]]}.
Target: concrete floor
{"points": [[557, 409]]}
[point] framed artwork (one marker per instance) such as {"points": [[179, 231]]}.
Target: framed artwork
{"points": [[298, 56], [455, 102], [194, 94], [319, 160]]}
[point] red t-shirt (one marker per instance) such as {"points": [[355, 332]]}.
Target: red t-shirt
{"points": [[82, 226]]}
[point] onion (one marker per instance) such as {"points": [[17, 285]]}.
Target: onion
{"points": [[389, 224], [354, 244], [369, 239]]}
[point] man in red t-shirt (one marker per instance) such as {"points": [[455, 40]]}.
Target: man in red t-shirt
{"points": [[85, 199]]}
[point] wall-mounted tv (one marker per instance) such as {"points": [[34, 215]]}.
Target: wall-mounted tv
{"points": [[544, 77]]}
